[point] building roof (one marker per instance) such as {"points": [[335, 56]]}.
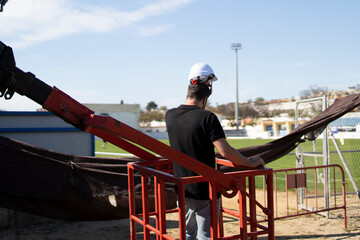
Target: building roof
{"points": [[106, 107]]}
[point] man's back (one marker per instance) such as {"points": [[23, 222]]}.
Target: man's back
{"points": [[192, 131]]}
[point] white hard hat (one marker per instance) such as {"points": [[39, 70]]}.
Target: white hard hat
{"points": [[202, 71]]}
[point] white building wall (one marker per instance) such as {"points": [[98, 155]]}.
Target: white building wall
{"points": [[125, 113], [128, 118]]}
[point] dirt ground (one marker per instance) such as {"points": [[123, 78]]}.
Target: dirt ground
{"points": [[305, 227]]}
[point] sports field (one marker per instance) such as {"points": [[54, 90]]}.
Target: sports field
{"points": [[308, 227], [350, 148]]}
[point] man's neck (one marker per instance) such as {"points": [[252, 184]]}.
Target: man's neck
{"points": [[194, 102]]}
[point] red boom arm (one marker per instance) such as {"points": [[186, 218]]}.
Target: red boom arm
{"points": [[127, 137]]}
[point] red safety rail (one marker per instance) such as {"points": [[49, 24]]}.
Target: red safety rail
{"points": [[288, 183], [249, 226], [300, 180], [149, 149]]}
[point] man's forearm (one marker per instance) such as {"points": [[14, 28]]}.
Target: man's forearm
{"points": [[235, 156]]}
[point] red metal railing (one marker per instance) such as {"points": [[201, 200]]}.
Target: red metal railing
{"points": [[148, 149], [161, 175], [298, 179], [302, 192], [129, 138]]}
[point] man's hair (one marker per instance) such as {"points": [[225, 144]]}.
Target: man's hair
{"points": [[199, 91]]}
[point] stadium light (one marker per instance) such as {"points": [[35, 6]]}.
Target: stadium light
{"points": [[236, 47], [2, 4]]}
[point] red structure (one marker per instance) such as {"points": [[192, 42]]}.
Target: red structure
{"points": [[125, 137], [161, 172], [300, 179], [241, 183], [13, 79]]}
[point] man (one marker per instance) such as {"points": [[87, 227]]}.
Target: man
{"points": [[195, 131]]}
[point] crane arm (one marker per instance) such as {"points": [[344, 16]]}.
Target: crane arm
{"points": [[13, 79]]}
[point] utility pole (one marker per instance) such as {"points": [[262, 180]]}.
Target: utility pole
{"points": [[2, 4], [236, 47]]}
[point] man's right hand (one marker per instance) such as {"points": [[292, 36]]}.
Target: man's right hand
{"points": [[257, 162], [235, 156]]}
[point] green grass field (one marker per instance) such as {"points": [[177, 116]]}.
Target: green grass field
{"points": [[287, 161]]}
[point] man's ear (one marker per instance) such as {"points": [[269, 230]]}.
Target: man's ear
{"points": [[205, 102]]}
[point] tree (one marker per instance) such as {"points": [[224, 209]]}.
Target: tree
{"points": [[315, 109], [226, 110], [314, 91], [151, 106], [163, 108], [152, 113], [246, 110], [262, 110], [259, 99], [148, 116], [301, 113]]}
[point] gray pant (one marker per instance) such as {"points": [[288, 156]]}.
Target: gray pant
{"points": [[197, 217]]}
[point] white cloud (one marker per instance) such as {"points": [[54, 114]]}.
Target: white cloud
{"points": [[26, 22], [18, 103]]}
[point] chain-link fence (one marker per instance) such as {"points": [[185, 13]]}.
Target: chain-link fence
{"points": [[343, 144]]}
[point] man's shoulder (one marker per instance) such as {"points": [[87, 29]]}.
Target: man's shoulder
{"points": [[183, 108], [189, 108], [172, 110], [208, 112]]}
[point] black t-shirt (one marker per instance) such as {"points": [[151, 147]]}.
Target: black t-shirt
{"points": [[193, 130]]}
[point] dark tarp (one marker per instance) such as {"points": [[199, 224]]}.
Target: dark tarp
{"points": [[61, 186], [308, 130]]}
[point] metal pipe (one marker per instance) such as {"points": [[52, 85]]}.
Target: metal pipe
{"points": [[326, 158], [236, 47]]}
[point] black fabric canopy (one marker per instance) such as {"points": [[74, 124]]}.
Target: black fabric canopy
{"points": [[308, 130], [62, 186]]}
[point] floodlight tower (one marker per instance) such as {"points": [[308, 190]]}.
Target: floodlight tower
{"points": [[236, 47], [2, 4]]}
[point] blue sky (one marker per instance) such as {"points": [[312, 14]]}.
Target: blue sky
{"points": [[141, 51]]}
